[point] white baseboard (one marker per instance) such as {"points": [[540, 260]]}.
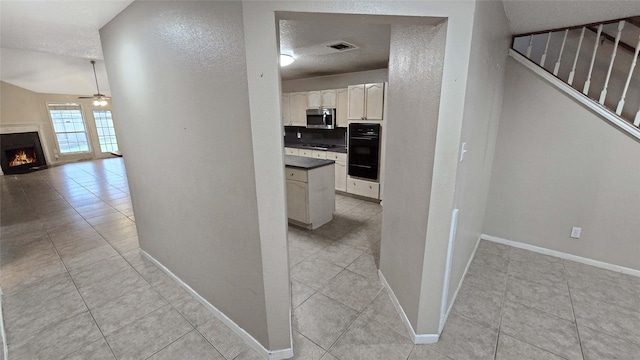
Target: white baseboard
{"points": [[250, 340], [416, 338], [562, 255], [455, 294], [3, 334]]}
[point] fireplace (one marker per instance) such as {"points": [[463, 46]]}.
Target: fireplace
{"points": [[21, 153]]}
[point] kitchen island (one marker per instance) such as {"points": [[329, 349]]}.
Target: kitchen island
{"points": [[311, 198]]}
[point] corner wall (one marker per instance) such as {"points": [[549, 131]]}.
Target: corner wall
{"points": [[179, 78], [482, 108], [558, 165]]}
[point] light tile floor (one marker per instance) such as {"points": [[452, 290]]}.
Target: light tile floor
{"points": [[76, 288]]}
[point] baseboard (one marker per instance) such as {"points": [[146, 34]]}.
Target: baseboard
{"points": [[455, 294], [248, 339], [416, 338], [562, 255], [3, 334]]}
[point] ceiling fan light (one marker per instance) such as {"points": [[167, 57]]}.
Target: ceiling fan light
{"points": [[286, 60], [96, 102], [103, 102]]}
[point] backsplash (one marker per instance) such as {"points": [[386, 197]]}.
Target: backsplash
{"points": [[315, 136]]}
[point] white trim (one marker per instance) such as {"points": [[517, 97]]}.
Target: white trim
{"points": [[447, 271], [416, 338], [3, 334], [576, 94], [562, 255], [248, 339], [464, 274]]}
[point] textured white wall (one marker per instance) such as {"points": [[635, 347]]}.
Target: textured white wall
{"points": [[179, 79], [482, 108], [335, 81], [558, 165]]}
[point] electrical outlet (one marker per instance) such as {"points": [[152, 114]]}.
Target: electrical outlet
{"points": [[575, 232]]}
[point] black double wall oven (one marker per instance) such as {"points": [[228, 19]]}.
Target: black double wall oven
{"points": [[364, 150]]}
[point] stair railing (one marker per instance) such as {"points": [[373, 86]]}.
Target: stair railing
{"points": [[588, 67]]}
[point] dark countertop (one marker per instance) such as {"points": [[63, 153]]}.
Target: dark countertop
{"points": [[305, 163], [338, 149]]}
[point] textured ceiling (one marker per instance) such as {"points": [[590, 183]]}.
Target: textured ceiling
{"points": [[47, 45]]}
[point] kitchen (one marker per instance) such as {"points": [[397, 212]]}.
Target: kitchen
{"points": [[337, 116]]}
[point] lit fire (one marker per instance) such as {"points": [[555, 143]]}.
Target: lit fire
{"points": [[21, 158]]}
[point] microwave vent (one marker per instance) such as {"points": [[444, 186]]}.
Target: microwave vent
{"points": [[342, 46]]}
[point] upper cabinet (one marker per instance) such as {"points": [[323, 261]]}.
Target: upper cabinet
{"points": [[342, 106], [321, 99], [286, 117], [366, 101], [298, 108]]}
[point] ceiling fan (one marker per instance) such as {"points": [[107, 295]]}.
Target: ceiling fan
{"points": [[98, 99]]}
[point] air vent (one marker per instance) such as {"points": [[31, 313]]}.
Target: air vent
{"points": [[342, 46]]}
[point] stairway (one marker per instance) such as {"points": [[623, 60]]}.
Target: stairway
{"points": [[594, 63]]}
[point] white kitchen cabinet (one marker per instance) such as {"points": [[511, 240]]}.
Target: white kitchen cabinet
{"points": [[321, 99], [314, 99], [298, 108], [341, 169], [297, 201], [319, 154], [328, 98], [286, 117], [291, 151], [305, 152], [311, 198], [364, 188], [366, 101], [342, 106]]}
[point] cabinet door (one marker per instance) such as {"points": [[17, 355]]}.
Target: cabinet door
{"points": [[341, 176], [374, 99], [328, 98], [356, 102], [297, 201], [291, 151], [314, 99], [342, 104], [298, 108], [286, 118]]}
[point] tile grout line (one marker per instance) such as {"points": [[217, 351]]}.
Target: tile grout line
{"points": [[573, 310]]}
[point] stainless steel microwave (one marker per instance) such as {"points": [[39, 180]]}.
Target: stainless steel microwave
{"points": [[321, 118]]}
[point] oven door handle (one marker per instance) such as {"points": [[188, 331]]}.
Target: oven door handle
{"points": [[361, 166], [363, 138]]}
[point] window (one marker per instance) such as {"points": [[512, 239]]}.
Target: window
{"points": [[106, 132], [68, 125]]}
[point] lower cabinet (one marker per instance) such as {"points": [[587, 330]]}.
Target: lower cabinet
{"points": [[341, 176], [291, 151], [311, 198], [363, 188], [297, 201]]}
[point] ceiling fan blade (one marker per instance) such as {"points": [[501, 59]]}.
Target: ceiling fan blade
{"points": [[86, 97]]}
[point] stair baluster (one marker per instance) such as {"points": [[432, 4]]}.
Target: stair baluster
{"points": [[575, 59], [593, 60], [530, 46], [546, 47], [626, 85], [557, 67], [603, 94]]}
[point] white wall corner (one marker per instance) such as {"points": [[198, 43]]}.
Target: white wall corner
{"points": [[416, 338], [563, 255], [280, 354]]}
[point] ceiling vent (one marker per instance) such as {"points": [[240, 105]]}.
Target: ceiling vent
{"points": [[342, 46]]}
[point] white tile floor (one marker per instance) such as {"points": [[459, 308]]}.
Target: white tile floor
{"points": [[76, 288]]}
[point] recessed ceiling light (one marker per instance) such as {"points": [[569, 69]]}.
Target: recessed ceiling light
{"points": [[286, 60]]}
